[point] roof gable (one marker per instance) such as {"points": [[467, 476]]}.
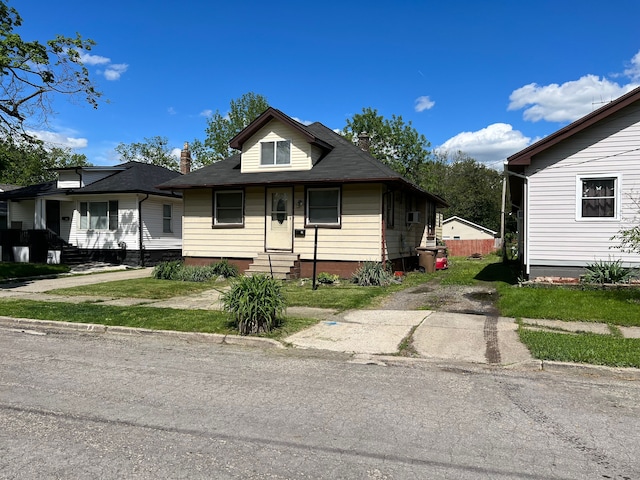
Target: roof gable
{"points": [[523, 157]]}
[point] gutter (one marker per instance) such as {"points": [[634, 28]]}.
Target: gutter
{"points": [[141, 230]]}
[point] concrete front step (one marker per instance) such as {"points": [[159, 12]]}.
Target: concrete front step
{"points": [[280, 265]]}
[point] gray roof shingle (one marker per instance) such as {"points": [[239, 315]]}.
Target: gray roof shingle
{"points": [[343, 162]]}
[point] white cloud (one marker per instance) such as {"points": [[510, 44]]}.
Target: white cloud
{"points": [[58, 139], [206, 113], [424, 103], [491, 144], [115, 71], [633, 72], [175, 152], [171, 111], [566, 102], [89, 59], [304, 122]]}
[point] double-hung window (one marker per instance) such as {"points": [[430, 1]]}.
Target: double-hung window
{"points": [[323, 206], [166, 218], [99, 215], [598, 197], [228, 208], [275, 153]]}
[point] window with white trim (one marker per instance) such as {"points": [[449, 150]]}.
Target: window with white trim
{"points": [[166, 218], [99, 215], [323, 206], [598, 197], [228, 208], [275, 153]]}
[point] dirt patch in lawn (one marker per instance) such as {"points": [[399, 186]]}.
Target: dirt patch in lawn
{"points": [[476, 299]]}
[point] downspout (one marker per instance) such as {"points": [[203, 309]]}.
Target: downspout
{"points": [[525, 220], [141, 230]]}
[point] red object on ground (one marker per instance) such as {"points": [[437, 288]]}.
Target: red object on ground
{"points": [[442, 263]]}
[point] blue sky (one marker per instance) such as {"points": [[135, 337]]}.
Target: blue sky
{"points": [[485, 77]]}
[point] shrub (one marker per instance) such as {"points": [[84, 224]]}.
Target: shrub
{"points": [[371, 274], [194, 273], [225, 269], [255, 303], [607, 272], [327, 278], [167, 270]]}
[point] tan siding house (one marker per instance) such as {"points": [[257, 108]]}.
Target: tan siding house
{"points": [[575, 190], [263, 207]]}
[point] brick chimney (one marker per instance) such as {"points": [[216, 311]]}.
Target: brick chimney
{"points": [[364, 141], [185, 159]]}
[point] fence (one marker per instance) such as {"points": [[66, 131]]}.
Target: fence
{"points": [[466, 248]]}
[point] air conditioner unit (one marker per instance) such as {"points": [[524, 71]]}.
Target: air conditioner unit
{"points": [[413, 217]]}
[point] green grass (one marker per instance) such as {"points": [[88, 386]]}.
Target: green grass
{"points": [[583, 348], [465, 271], [206, 321], [141, 288], [25, 270], [617, 307]]}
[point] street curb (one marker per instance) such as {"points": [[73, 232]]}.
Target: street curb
{"points": [[215, 338], [619, 373]]}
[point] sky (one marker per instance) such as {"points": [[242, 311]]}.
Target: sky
{"points": [[485, 77]]}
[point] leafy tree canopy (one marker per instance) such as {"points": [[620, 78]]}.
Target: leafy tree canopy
{"points": [[473, 190], [392, 141], [222, 128], [154, 150], [33, 73], [33, 163]]}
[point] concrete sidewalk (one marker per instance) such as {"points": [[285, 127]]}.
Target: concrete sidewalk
{"points": [[437, 335]]}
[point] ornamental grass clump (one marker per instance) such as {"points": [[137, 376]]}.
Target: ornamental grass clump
{"points": [[167, 270], [607, 272], [372, 274], [225, 269], [256, 304]]}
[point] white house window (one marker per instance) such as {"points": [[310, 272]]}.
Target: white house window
{"points": [[323, 206], [99, 215], [166, 218], [598, 197], [228, 208], [275, 153]]}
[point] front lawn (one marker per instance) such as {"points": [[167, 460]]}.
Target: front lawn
{"points": [[582, 348], [617, 307], [150, 288], [206, 321], [25, 270]]}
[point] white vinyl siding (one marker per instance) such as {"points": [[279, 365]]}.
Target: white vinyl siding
{"points": [[128, 231], [22, 212], [275, 131], [556, 234]]}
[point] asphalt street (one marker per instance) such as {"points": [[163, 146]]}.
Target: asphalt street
{"points": [[79, 406]]}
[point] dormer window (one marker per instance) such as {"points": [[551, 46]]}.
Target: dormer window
{"points": [[275, 153]]}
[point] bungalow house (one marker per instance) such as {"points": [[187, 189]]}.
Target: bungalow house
{"points": [[109, 213], [297, 193], [575, 189]]}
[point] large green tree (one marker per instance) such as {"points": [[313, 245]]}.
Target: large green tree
{"points": [[32, 163], [392, 141], [473, 190], [222, 128], [154, 150], [32, 74]]}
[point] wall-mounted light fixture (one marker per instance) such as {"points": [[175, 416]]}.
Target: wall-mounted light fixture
{"points": [[299, 203]]}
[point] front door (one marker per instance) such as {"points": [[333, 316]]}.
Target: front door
{"points": [[279, 219], [53, 215]]}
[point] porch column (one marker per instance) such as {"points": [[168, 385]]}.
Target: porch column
{"points": [[40, 215]]}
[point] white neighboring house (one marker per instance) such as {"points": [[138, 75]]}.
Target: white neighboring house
{"points": [[456, 228], [112, 213], [574, 190]]}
